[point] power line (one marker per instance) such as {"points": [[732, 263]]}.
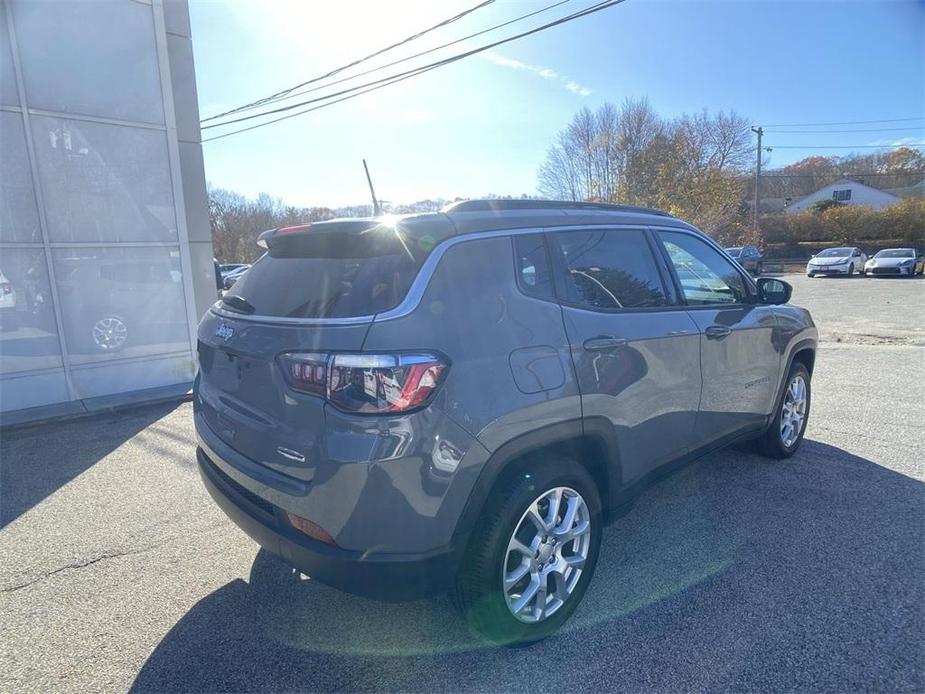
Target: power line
{"points": [[315, 108], [424, 68], [392, 79], [865, 130], [855, 122], [291, 95], [335, 71], [906, 144]]}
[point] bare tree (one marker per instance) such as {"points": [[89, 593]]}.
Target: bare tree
{"points": [[695, 165]]}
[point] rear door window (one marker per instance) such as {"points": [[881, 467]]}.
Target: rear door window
{"points": [[610, 269], [330, 275]]}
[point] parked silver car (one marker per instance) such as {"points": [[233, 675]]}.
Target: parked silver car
{"points": [[748, 257], [460, 401], [844, 260], [897, 262]]}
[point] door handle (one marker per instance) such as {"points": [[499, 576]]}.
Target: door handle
{"points": [[604, 342], [717, 332]]}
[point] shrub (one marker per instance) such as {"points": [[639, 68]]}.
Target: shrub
{"points": [[839, 224]]}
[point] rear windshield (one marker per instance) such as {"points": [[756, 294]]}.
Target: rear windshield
{"points": [[330, 275]]}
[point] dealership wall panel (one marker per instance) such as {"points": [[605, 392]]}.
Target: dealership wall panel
{"points": [[105, 252]]}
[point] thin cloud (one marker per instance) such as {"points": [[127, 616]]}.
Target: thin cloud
{"points": [[895, 143], [576, 88], [545, 72]]}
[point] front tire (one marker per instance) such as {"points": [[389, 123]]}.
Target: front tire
{"points": [[851, 270], [530, 559], [785, 434]]}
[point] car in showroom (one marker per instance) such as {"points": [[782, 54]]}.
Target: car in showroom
{"points": [[460, 401], [748, 257], [7, 304], [844, 260], [896, 262], [115, 303]]}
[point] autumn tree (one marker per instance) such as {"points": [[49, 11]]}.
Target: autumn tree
{"points": [[237, 221], [692, 165]]}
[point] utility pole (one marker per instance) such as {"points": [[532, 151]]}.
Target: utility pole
{"points": [[376, 210], [759, 131]]}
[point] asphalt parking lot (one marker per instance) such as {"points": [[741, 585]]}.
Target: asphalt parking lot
{"points": [[737, 573]]}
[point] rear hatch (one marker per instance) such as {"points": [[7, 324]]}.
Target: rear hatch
{"points": [[316, 290]]}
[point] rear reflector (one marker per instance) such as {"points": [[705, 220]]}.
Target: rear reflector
{"points": [[313, 530]]}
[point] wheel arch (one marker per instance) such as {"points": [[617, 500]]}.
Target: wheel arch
{"points": [[591, 443], [804, 353]]}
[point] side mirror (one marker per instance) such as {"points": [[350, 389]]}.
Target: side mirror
{"points": [[773, 291]]}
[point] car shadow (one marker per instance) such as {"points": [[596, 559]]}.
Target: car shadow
{"points": [[29, 472], [736, 573]]}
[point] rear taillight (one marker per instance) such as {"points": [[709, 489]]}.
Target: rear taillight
{"points": [[6, 288], [366, 383]]}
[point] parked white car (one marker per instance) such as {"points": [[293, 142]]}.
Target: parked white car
{"points": [[844, 260], [896, 261]]}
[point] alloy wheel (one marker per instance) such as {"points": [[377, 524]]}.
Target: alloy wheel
{"points": [[109, 333], [793, 411], [546, 554]]}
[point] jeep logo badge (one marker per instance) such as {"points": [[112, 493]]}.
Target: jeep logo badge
{"points": [[224, 331]]}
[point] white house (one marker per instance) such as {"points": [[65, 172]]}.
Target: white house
{"points": [[847, 192]]}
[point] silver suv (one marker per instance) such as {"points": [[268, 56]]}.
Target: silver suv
{"points": [[461, 401]]}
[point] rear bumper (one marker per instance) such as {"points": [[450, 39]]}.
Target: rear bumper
{"points": [[390, 577]]}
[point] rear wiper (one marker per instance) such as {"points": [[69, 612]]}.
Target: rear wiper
{"points": [[237, 303]]}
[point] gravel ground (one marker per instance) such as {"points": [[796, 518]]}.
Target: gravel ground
{"points": [[735, 574]]}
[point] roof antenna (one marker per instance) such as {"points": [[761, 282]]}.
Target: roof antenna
{"points": [[376, 209]]}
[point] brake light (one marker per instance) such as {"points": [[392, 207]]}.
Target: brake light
{"points": [[6, 288], [292, 229], [367, 383]]}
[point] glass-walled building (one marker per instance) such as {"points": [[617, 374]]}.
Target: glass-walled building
{"points": [[105, 254]]}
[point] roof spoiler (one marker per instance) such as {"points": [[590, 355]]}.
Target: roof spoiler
{"points": [[265, 237]]}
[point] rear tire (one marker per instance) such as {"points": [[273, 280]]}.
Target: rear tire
{"points": [[549, 560], [810, 274], [793, 406]]}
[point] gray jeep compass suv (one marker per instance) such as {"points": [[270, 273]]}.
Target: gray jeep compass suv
{"points": [[461, 401]]}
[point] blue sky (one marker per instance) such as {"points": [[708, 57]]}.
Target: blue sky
{"points": [[482, 125]]}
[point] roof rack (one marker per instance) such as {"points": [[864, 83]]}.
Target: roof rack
{"points": [[496, 205]]}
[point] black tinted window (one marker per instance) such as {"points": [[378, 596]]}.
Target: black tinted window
{"points": [[331, 275], [706, 276], [532, 265], [610, 269]]}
